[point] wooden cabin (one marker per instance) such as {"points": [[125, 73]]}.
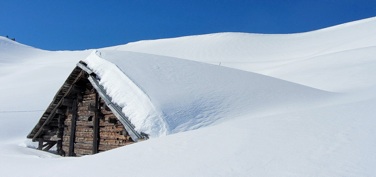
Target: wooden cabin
{"points": [[82, 119]]}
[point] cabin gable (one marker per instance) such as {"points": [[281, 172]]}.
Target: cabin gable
{"points": [[82, 120]]}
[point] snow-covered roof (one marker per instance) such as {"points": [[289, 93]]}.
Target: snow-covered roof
{"points": [[164, 95]]}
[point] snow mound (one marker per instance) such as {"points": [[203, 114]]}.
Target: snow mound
{"points": [[233, 48], [304, 58], [164, 95], [346, 71]]}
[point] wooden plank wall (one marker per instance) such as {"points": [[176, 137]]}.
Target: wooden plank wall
{"points": [[112, 133]]}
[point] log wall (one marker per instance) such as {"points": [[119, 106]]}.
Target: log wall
{"points": [[112, 133]]}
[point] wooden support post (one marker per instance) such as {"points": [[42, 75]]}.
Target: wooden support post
{"points": [[59, 146], [96, 124], [40, 143], [73, 128]]}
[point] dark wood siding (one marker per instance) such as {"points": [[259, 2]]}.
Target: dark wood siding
{"points": [[111, 133], [78, 122]]}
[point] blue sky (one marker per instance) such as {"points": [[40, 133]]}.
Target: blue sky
{"points": [[84, 24]]}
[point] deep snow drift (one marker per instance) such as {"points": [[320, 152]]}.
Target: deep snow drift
{"points": [[310, 113]]}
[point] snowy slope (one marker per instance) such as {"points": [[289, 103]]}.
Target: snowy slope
{"points": [[293, 57], [30, 78], [233, 48], [316, 133]]}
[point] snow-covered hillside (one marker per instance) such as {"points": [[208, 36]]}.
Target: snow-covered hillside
{"points": [[254, 104], [30, 78], [325, 59]]}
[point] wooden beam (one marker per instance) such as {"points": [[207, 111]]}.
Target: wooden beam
{"points": [[73, 128], [60, 122], [83, 67], [40, 143], [59, 146], [96, 124]]}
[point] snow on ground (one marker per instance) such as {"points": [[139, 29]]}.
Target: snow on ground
{"points": [[310, 113]]}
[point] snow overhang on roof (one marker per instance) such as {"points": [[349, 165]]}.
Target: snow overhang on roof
{"points": [[116, 109]]}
